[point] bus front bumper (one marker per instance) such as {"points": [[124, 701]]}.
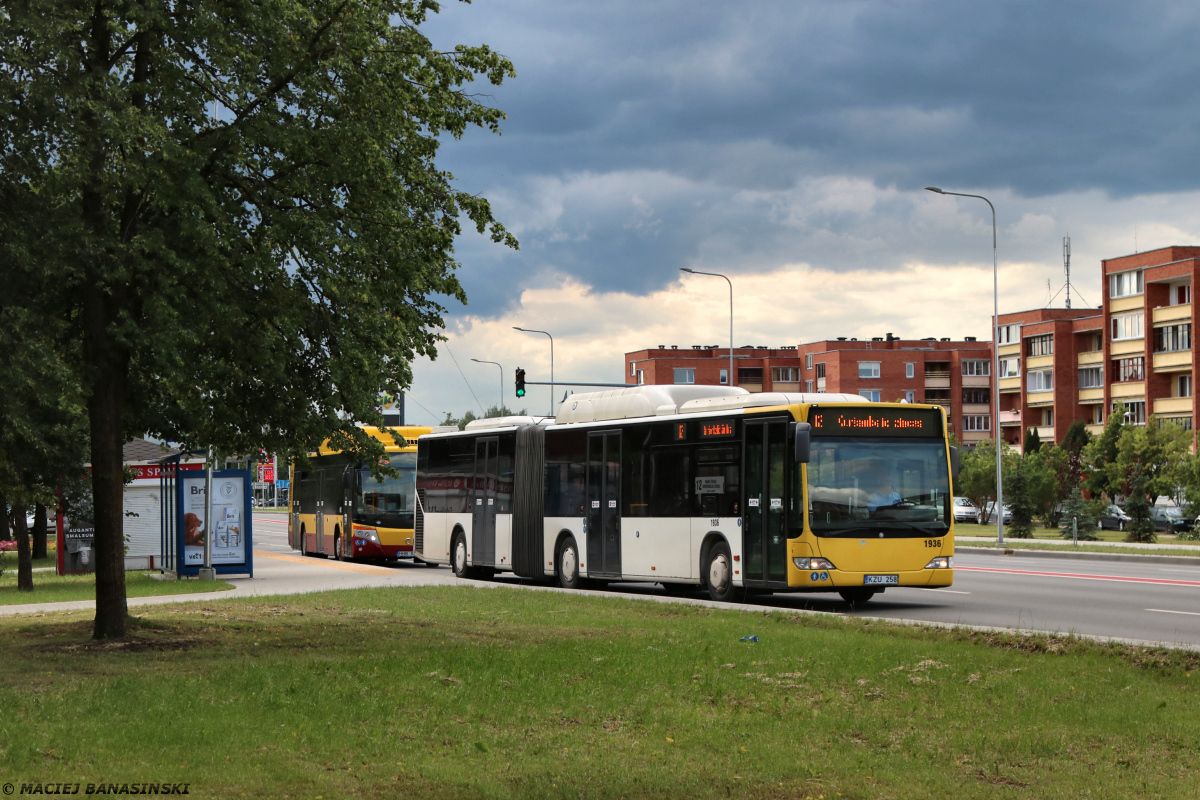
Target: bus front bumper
{"points": [[829, 580], [365, 548]]}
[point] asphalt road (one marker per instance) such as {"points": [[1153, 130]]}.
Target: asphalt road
{"points": [[1149, 602]]}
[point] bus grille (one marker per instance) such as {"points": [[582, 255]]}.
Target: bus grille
{"points": [[419, 524]]}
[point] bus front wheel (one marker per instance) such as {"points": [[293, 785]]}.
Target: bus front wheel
{"points": [[338, 555], [719, 572], [568, 564]]}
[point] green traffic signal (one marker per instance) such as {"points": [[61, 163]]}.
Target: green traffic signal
{"points": [[520, 382]]}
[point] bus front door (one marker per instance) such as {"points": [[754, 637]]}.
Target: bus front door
{"points": [[483, 507], [764, 536], [604, 503]]}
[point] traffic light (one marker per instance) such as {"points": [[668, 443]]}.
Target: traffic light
{"points": [[520, 382]]}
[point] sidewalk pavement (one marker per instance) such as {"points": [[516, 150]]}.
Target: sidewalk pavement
{"points": [[279, 574]]}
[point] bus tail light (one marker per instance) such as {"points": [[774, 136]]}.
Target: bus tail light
{"points": [[941, 562], [813, 563]]}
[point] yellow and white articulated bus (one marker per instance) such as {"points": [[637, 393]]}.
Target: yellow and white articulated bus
{"points": [[697, 487], [339, 510]]}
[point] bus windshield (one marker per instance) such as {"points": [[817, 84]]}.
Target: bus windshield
{"points": [[388, 502], [898, 487]]}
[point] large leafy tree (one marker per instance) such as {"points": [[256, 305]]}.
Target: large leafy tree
{"points": [[236, 210]]}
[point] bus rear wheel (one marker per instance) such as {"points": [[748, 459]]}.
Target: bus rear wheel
{"points": [[568, 564], [856, 597], [719, 572]]}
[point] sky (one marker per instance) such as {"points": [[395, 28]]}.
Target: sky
{"points": [[787, 145]]}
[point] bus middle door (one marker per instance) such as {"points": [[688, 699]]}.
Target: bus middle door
{"points": [[604, 501], [764, 537], [483, 509]]}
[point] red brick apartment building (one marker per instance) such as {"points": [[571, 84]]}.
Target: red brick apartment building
{"points": [[1056, 365], [953, 374]]}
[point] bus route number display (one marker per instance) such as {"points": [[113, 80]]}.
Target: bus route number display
{"points": [[717, 429], [917, 422]]}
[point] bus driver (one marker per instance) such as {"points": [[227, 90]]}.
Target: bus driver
{"points": [[884, 495]]}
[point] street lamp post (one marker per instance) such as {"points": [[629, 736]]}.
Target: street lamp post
{"points": [[530, 330], [726, 277], [995, 361], [497, 363]]}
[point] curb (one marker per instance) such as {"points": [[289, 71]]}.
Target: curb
{"points": [[1192, 561]]}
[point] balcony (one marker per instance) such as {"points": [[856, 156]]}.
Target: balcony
{"points": [[1045, 433], [937, 380], [979, 381], [1095, 395], [1127, 347], [1177, 361], [1133, 389], [1039, 362], [1040, 398], [1179, 313], [1173, 405], [1094, 430], [944, 402], [1010, 417], [1091, 359], [1008, 385]]}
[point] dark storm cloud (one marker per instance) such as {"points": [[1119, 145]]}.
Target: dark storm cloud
{"points": [[647, 136]]}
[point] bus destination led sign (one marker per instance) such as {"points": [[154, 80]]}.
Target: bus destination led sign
{"points": [[869, 421], [717, 429]]}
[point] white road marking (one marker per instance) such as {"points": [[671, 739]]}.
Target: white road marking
{"points": [[948, 591], [1169, 611]]}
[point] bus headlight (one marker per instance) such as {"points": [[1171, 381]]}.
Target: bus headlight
{"points": [[813, 563], [367, 533], [941, 562]]}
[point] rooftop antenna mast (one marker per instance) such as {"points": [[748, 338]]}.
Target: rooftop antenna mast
{"points": [[1067, 264]]}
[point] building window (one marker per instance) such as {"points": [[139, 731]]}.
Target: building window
{"points": [[808, 386], [685, 376], [808, 361], [632, 368], [1041, 380], [977, 368], [724, 377], [870, 394], [1010, 367], [1047, 417], [1135, 412], [977, 422], [820, 370], [1125, 284], [750, 375], [910, 396], [1040, 345], [1091, 342], [1129, 369], [910, 369], [1183, 422], [1128, 326], [1009, 333], [975, 396], [1098, 415], [785, 374], [1091, 378], [1183, 294], [1184, 386], [868, 369], [641, 376], [1173, 338]]}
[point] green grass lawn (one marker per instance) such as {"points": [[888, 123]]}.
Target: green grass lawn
{"points": [[8, 560], [51, 588], [492, 692]]}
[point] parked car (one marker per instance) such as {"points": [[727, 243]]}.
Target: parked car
{"points": [[965, 510], [1170, 519], [1115, 519], [991, 510]]}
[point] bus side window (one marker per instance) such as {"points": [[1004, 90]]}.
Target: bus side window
{"points": [[670, 482]]}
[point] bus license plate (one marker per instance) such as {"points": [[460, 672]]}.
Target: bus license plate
{"points": [[881, 580]]}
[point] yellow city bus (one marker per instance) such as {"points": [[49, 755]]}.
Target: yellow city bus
{"points": [[339, 510], [697, 487]]}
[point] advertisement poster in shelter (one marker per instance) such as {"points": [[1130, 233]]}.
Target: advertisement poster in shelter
{"points": [[228, 524]]}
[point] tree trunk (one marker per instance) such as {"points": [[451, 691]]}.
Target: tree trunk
{"points": [[108, 485], [6, 528], [39, 531], [24, 562]]}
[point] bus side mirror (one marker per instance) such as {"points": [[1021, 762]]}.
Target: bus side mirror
{"points": [[954, 463], [803, 442]]}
